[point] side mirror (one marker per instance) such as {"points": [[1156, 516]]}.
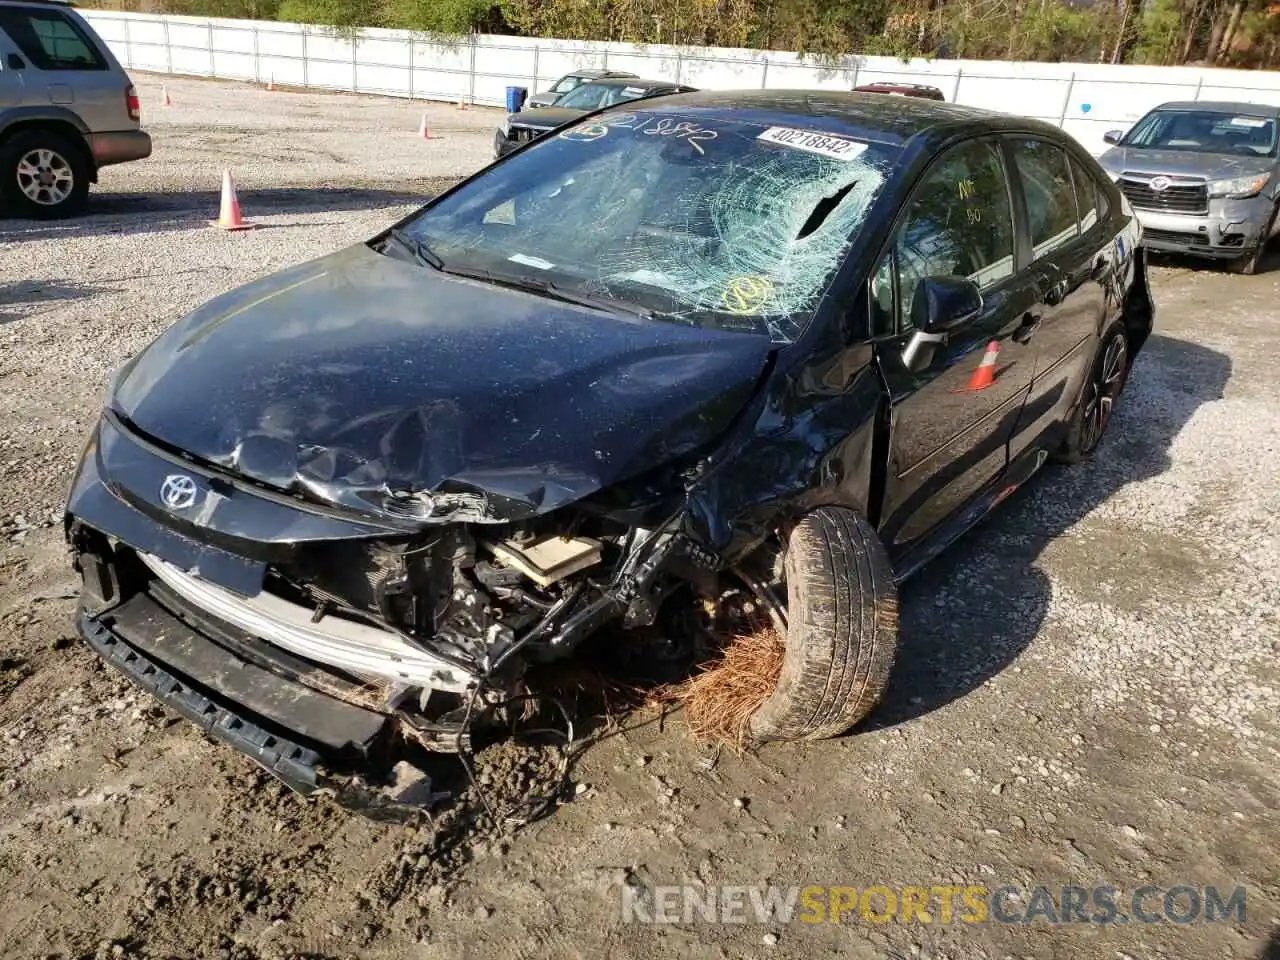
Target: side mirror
{"points": [[940, 305], [1113, 136], [944, 303]]}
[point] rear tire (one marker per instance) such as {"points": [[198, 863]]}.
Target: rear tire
{"points": [[1107, 378], [44, 174], [842, 629]]}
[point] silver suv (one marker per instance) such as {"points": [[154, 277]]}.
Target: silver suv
{"points": [[1202, 178], [67, 108]]}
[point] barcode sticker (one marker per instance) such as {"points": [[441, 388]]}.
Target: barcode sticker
{"points": [[811, 141]]}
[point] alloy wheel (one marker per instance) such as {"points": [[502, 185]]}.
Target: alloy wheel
{"points": [[1104, 389], [45, 177]]}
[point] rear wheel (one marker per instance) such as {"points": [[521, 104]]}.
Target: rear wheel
{"points": [[1107, 378], [842, 629], [43, 174]]}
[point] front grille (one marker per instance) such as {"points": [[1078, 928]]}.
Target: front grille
{"points": [[1186, 196], [1173, 236], [525, 134]]}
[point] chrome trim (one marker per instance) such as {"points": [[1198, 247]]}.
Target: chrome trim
{"points": [[345, 644]]}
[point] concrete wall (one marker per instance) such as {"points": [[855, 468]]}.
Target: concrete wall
{"points": [[1085, 99]]}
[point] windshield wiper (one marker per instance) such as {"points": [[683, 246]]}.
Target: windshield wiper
{"points": [[420, 251], [550, 290]]}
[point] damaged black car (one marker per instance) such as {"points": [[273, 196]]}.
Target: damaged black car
{"points": [[776, 345]]}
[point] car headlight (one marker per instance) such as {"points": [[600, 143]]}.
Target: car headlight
{"points": [[505, 127], [1239, 188]]}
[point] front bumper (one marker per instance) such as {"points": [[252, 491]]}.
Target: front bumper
{"points": [[119, 146], [1231, 228], [315, 704], [501, 145]]}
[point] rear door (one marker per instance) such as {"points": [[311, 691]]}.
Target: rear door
{"points": [[66, 66], [1069, 268], [947, 437]]}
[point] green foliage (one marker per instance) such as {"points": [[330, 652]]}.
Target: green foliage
{"points": [[1238, 32]]}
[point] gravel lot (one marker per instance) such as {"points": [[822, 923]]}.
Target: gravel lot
{"points": [[1088, 689]]}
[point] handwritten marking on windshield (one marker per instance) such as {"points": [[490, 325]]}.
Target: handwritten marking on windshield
{"points": [[690, 132], [744, 296]]}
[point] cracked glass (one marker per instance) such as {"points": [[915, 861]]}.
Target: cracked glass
{"points": [[719, 223]]}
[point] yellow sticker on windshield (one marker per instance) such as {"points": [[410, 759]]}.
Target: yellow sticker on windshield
{"points": [[746, 295]]}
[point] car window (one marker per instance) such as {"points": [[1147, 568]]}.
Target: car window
{"points": [[49, 40], [593, 96], [1051, 202], [959, 223], [1087, 196], [724, 223], [565, 84]]}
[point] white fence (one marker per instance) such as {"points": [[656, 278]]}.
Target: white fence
{"points": [[1085, 99]]}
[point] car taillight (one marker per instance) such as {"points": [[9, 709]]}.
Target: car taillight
{"points": [[131, 101]]}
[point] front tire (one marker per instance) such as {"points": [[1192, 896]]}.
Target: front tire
{"points": [[1107, 378], [43, 175], [1248, 264], [842, 629]]}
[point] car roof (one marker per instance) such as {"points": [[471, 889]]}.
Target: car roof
{"points": [[631, 80], [871, 117], [1223, 106], [594, 73]]}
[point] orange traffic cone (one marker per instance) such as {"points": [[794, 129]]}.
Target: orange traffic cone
{"points": [[229, 215], [164, 96], [422, 128], [271, 82], [462, 104], [985, 375]]}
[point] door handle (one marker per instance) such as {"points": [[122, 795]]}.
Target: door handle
{"points": [[1027, 329]]}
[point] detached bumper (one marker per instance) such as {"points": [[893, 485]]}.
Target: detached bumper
{"points": [[501, 145], [1231, 228], [119, 146]]}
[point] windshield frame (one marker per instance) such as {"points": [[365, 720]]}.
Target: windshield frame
{"points": [[829, 307], [1217, 150]]}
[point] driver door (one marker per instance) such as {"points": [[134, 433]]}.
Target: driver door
{"points": [[950, 422]]}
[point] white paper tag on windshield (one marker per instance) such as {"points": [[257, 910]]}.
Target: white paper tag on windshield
{"points": [[531, 261], [1248, 122], [814, 142]]}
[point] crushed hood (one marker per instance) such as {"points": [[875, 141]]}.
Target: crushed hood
{"points": [[1188, 163], [369, 382]]}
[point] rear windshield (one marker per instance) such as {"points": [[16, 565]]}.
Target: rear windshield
{"points": [[1205, 131], [715, 222]]}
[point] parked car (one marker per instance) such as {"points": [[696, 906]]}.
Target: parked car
{"points": [[67, 109], [1203, 178], [686, 352], [520, 128], [571, 81], [902, 90]]}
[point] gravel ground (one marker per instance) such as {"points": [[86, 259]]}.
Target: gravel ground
{"points": [[1087, 690]]}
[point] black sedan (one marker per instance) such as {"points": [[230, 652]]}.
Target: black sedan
{"points": [[520, 128], [776, 345]]}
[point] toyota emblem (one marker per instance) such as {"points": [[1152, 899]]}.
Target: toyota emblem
{"points": [[1160, 183], [178, 491]]}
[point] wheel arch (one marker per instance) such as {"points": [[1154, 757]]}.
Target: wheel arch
{"points": [[63, 122]]}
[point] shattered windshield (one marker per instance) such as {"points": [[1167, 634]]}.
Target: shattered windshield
{"points": [[718, 223]]}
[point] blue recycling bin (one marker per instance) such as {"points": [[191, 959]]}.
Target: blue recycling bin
{"points": [[516, 97]]}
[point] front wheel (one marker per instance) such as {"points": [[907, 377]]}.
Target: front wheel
{"points": [[1250, 262], [842, 629], [1107, 377], [43, 174]]}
